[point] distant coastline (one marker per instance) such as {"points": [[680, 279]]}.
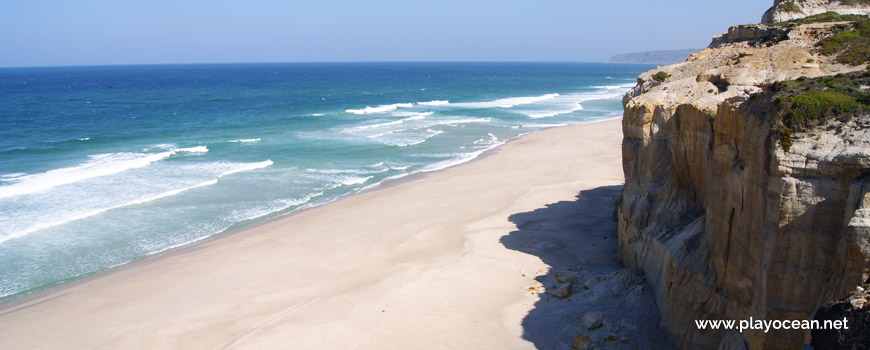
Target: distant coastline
{"points": [[661, 57]]}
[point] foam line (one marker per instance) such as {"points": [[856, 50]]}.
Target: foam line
{"points": [[88, 214], [380, 109], [245, 140], [98, 165]]}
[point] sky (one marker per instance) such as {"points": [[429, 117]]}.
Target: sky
{"points": [[100, 32]]}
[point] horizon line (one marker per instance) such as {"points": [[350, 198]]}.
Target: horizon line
{"points": [[299, 62]]}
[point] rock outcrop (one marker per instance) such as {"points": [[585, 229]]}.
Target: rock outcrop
{"points": [[787, 10], [723, 221], [850, 309]]}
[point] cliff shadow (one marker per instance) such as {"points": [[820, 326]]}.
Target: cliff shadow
{"points": [[577, 241]]}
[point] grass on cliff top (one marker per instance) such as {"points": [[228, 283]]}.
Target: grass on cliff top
{"points": [[854, 2], [850, 46], [790, 6], [805, 103], [820, 18]]}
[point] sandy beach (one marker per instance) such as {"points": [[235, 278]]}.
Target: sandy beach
{"points": [[458, 259]]}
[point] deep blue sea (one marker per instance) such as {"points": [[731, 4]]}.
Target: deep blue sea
{"points": [[101, 166]]}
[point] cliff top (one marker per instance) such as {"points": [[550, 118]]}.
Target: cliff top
{"points": [[748, 58], [787, 10]]}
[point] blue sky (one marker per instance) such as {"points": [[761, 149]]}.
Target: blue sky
{"points": [[85, 32]]}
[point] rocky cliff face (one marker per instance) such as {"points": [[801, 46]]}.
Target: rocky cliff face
{"points": [[719, 217], [786, 10]]}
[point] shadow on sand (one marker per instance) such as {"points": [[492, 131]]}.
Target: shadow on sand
{"points": [[578, 241]]}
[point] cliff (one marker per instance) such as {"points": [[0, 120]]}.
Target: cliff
{"points": [[787, 10], [733, 206]]}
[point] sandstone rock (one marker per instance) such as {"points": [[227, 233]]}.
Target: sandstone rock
{"points": [[779, 13], [592, 320], [582, 342], [563, 277], [721, 220], [590, 283], [750, 32], [562, 290]]}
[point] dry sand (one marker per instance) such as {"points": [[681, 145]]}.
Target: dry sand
{"points": [[459, 259]]}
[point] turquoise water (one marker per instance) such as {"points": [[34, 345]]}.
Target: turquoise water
{"points": [[100, 166]]}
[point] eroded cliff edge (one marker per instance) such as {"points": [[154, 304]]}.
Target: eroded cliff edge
{"points": [[723, 221]]}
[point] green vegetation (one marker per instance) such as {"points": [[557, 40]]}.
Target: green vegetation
{"points": [[851, 46], [818, 105], [820, 18], [808, 102], [661, 77], [854, 2], [790, 6]]}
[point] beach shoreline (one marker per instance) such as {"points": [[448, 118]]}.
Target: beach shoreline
{"points": [[374, 267], [383, 184]]}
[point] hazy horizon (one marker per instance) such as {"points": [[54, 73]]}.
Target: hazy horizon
{"points": [[99, 32]]}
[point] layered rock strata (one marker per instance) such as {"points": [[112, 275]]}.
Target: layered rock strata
{"points": [[723, 221]]}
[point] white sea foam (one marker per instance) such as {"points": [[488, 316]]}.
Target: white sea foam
{"points": [[318, 114], [409, 131], [575, 108], [245, 140], [538, 126], [248, 167], [505, 102], [434, 103], [162, 146], [410, 140], [98, 165], [412, 114], [83, 138], [344, 171], [11, 177], [492, 140], [380, 109], [348, 181], [197, 149], [614, 87], [459, 158], [246, 214], [87, 214], [382, 125], [60, 214], [569, 103], [263, 210]]}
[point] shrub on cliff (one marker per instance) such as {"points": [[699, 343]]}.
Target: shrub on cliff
{"points": [[807, 102], [661, 77], [854, 2], [818, 105], [790, 6], [850, 46]]}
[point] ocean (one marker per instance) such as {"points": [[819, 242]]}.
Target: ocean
{"points": [[104, 165]]}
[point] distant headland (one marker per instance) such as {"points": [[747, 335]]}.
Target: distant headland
{"points": [[661, 57]]}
